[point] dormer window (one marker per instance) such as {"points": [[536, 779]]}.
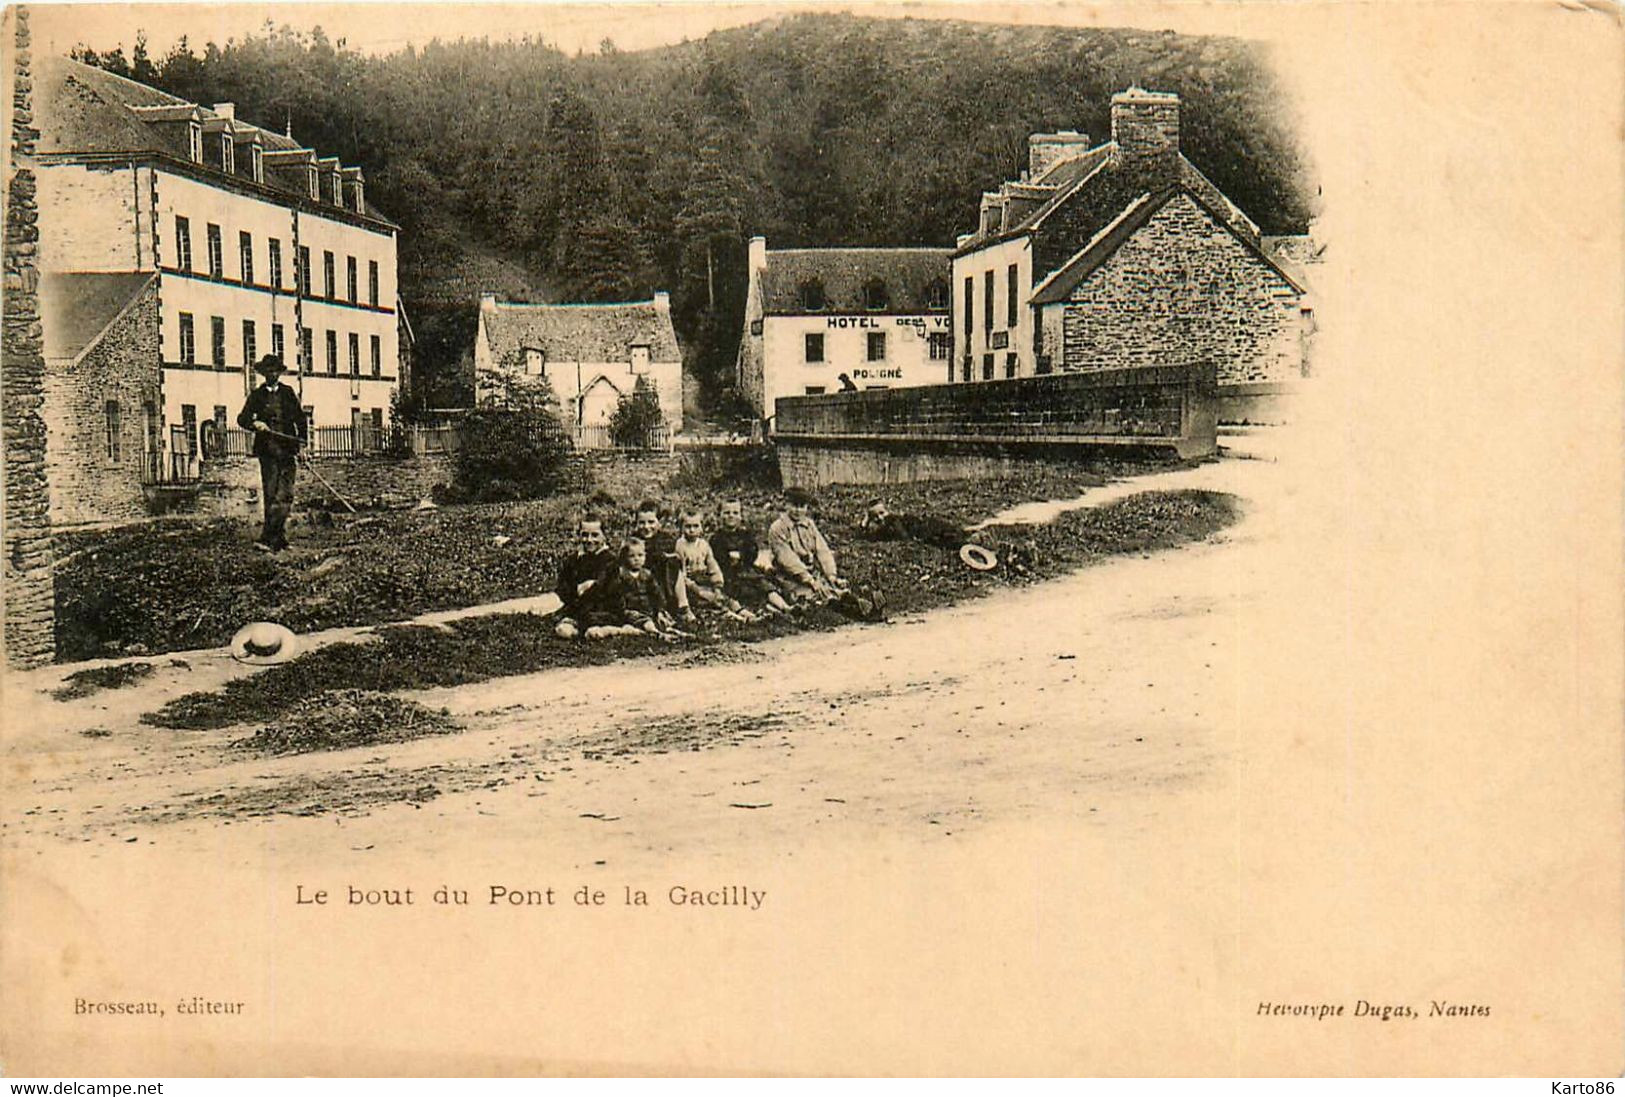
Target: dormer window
{"points": [[360, 202], [313, 183], [812, 295], [875, 296], [257, 163], [338, 188], [533, 361], [936, 297], [194, 137], [228, 154]]}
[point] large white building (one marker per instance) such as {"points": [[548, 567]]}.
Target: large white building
{"points": [[878, 315], [254, 243]]}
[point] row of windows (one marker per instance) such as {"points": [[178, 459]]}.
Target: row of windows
{"points": [[1012, 311], [940, 342], [228, 153], [876, 295], [227, 149], [273, 256], [987, 367], [250, 346]]}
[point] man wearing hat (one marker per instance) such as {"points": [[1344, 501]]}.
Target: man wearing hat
{"points": [[278, 422]]}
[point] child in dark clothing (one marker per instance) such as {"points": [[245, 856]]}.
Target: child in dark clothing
{"points": [[661, 548], [629, 602], [580, 574], [736, 550]]}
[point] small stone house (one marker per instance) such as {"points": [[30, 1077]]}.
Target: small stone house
{"points": [[591, 355], [1124, 254]]}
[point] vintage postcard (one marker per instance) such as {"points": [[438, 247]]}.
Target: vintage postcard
{"points": [[817, 539]]}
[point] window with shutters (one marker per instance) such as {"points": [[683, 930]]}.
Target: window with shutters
{"points": [[350, 278], [250, 342], [377, 356], [188, 345], [274, 262], [815, 346], [217, 340], [332, 352], [245, 254]]}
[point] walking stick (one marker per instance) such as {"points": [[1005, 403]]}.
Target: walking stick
{"points": [[309, 464]]}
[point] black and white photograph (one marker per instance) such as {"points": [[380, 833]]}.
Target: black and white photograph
{"points": [[823, 539]]}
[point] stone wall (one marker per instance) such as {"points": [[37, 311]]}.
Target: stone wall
{"points": [[995, 428], [813, 466], [89, 483], [97, 222], [232, 485], [1182, 287], [29, 590]]}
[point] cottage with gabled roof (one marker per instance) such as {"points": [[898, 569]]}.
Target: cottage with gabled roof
{"points": [[591, 355], [877, 315], [230, 241], [1123, 254]]}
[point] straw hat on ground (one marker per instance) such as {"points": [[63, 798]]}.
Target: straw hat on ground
{"points": [[264, 643]]}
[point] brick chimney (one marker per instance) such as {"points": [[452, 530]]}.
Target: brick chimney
{"points": [[758, 253], [1145, 128], [226, 110], [1047, 149]]}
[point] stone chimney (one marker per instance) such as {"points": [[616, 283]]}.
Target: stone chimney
{"points": [[663, 299], [758, 253], [1047, 149], [227, 111], [1145, 128]]}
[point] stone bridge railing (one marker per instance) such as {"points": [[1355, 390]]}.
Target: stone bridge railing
{"points": [[993, 427]]}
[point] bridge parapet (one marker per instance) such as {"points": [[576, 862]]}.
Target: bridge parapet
{"points": [[994, 427]]}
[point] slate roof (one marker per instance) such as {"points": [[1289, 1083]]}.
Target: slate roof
{"points": [[580, 333], [76, 308], [1058, 286], [844, 273], [88, 111]]}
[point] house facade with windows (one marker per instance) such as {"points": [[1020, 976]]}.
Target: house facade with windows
{"points": [[878, 315], [1123, 254], [590, 355], [242, 241]]}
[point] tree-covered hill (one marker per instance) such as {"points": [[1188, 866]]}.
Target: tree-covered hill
{"points": [[605, 177]]}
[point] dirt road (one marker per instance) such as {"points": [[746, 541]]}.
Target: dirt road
{"points": [[1075, 698]]}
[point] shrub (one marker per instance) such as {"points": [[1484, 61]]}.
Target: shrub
{"points": [[513, 447], [636, 416]]}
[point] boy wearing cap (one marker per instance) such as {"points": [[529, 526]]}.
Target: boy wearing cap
{"points": [[278, 422]]}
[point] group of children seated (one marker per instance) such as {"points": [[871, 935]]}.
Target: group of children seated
{"points": [[658, 578]]}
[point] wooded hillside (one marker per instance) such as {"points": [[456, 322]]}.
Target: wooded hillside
{"points": [[512, 166]]}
